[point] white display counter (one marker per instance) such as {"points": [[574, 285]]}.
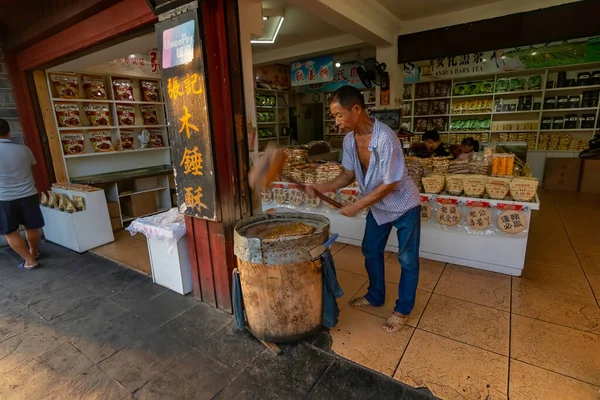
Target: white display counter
{"points": [[495, 251], [82, 230]]}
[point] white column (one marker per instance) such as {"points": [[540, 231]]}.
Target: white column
{"points": [[251, 24], [389, 56]]}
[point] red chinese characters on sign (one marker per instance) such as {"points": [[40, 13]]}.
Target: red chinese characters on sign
{"points": [[154, 61], [299, 76], [311, 74], [341, 75], [324, 72]]}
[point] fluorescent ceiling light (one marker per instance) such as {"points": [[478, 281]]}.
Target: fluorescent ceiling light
{"points": [[265, 18], [270, 40], [337, 65]]}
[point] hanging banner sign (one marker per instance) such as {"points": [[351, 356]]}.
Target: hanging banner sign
{"points": [[146, 63], [187, 115], [346, 74], [521, 58], [273, 76], [317, 70]]}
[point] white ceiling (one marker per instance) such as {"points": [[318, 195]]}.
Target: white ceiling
{"points": [[408, 10], [298, 27], [100, 62]]}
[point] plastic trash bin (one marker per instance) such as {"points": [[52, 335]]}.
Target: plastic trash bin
{"points": [[168, 249]]}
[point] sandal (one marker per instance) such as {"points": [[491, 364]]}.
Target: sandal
{"points": [[22, 266], [395, 323], [361, 302]]}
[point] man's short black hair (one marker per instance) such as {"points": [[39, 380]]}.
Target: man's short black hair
{"points": [[4, 128], [348, 96], [433, 135]]}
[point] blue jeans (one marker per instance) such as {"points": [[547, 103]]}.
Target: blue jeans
{"points": [[373, 247]]}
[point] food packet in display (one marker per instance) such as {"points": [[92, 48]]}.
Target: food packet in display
{"points": [[156, 139], [149, 115], [62, 204], [78, 203], [98, 114], [94, 87], [102, 142], [127, 140], [67, 86], [149, 90], [72, 143], [67, 114], [69, 206], [126, 115], [52, 199], [123, 89], [43, 199]]}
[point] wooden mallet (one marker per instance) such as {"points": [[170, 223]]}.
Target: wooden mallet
{"points": [[270, 165]]}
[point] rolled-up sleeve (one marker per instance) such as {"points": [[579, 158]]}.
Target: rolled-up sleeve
{"points": [[391, 159], [348, 154]]}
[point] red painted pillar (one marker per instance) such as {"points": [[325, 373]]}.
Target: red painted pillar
{"points": [[211, 243]]}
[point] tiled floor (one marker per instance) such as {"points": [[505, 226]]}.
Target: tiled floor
{"points": [[83, 327], [481, 335], [128, 250]]}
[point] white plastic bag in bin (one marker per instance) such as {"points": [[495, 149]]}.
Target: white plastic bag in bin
{"points": [[167, 227]]}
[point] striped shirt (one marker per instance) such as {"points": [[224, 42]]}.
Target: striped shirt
{"points": [[386, 166]]}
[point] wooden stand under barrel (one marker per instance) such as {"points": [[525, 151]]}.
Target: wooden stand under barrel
{"points": [[282, 288]]}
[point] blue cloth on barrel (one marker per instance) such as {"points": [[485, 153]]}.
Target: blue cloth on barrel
{"points": [[238, 301], [331, 291]]}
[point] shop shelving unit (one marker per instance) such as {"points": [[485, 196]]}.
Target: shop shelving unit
{"points": [[533, 117], [331, 133], [91, 163], [280, 117]]}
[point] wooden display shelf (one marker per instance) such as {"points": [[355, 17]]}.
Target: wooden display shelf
{"points": [[160, 210], [109, 153], [128, 194]]}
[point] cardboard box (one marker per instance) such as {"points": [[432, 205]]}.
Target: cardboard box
{"points": [[113, 209], [562, 174], [590, 177], [139, 205], [148, 183], [115, 223]]}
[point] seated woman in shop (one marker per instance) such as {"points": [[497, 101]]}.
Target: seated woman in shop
{"points": [[434, 146], [468, 147]]}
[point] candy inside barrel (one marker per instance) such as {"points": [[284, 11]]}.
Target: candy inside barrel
{"points": [[282, 287]]}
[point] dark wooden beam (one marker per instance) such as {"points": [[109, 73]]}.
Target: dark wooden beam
{"points": [[568, 21]]}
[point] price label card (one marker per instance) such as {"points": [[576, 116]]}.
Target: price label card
{"points": [[449, 214], [296, 196], [425, 212], [523, 189], [474, 185], [455, 184], [512, 221], [313, 201], [479, 218], [433, 183]]}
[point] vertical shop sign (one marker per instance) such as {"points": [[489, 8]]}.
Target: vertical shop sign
{"points": [[183, 76], [316, 70]]}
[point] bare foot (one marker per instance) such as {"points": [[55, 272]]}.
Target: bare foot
{"points": [[34, 255], [395, 322]]}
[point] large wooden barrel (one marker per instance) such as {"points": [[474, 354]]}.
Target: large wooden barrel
{"points": [[281, 287]]}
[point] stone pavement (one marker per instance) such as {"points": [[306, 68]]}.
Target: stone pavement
{"points": [[83, 327]]}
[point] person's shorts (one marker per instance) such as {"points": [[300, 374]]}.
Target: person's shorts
{"points": [[24, 211]]}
